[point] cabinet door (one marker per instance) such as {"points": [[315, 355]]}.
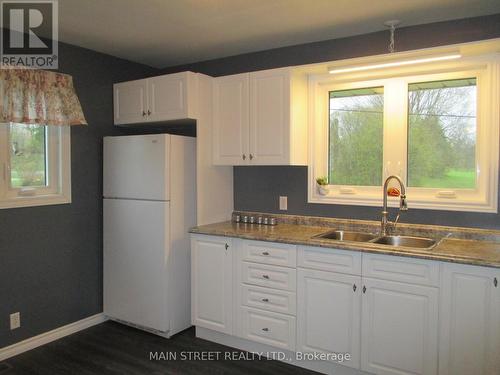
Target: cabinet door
{"points": [[470, 320], [211, 283], [399, 328], [329, 309], [270, 117], [130, 102], [230, 121], [168, 97]]}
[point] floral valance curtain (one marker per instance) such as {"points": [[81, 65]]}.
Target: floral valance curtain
{"points": [[32, 96]]}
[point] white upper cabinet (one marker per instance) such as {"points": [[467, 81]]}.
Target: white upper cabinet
{"points": [[260, 118], [164, 98], [399, 327], [470, 320], [269, 117], [230, 105], [130, 101]]}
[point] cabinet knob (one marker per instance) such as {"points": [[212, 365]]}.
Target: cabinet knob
{"points": [[364, 289], [149, 112], [226, 246], [354, 287], [143, 113], [495, 282], [251, 156], [265, 253], [265, 277], [244, 156], [265, 329], [265, 299]]}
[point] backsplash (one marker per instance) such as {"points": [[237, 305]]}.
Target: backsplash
{"points": [[258, 189]]}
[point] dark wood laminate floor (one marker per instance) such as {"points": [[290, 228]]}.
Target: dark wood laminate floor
{"points": [[113, 349]]}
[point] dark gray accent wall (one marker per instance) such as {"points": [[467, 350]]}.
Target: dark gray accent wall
{"points": [[258, 188], [51, 257]]}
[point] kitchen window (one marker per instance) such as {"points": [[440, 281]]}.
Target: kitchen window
{"points": [[35, 161], [437, 127]]}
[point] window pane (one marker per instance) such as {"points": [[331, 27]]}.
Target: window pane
{"points": [[442, 134], [28, 156], [356, 137]]}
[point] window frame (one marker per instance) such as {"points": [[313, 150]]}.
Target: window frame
{"points": [[395, 81], [58, 189]]}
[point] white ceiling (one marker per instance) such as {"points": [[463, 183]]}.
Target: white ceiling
{"points": [[163, 33]]}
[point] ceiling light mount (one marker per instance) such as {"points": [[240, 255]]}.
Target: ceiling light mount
{"points": [[392, 24]]}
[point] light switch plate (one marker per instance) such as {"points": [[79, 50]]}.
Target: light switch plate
{"points": [[283, 203]]}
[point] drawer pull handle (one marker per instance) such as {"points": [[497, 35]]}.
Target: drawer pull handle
{"points": [[495, 282], [354, 287], [265, 277], [265, 329], [265, 253], [265, 299], [364, 289]]}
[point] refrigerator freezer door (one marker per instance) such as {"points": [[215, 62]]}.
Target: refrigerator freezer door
{"points": [[137, 167], [136, 252]]}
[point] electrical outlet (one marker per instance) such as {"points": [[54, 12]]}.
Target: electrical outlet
{"points": [[283, 203], [15, 320]]}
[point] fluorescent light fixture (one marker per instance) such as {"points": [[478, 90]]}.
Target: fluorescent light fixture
{"points": [[357, 68]]}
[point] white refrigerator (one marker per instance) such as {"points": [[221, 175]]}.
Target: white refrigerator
{"points": [[149, 191]]}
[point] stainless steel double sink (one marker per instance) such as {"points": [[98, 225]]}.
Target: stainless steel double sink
{"points": [[393, 240]]}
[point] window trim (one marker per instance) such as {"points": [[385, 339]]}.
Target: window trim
{"points": [[58, 190], [484, 198]]}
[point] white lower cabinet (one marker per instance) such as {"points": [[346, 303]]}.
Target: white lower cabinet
{"points": [[393, 315], [399, 328], [328, 314], [212, 283], [269, 328], [470, 320]]}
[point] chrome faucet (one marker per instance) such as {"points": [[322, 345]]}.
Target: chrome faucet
{"points": [[384, 224]]}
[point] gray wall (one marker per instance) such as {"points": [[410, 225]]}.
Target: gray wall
{"points": [[258, 188], [51, 257]]}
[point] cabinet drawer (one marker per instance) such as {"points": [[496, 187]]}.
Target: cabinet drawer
{"points": [[268, 328], [404, 269], [268, 299], [269, 253], [269, 276], [333, 260]]}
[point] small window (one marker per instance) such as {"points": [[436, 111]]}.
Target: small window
{"points": [[28, 156], [356, 125], [442, 134], [35, 160]]}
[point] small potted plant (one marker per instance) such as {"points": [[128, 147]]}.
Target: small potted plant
{"points": [[322, 185]]}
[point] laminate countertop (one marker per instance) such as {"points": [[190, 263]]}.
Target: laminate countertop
{"points": [[480, 252]]}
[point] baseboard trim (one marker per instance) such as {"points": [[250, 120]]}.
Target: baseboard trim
{"points": [[45, 338]]}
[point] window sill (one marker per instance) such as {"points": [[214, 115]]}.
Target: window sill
{"points": [[41, 200], [414, 201]]}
